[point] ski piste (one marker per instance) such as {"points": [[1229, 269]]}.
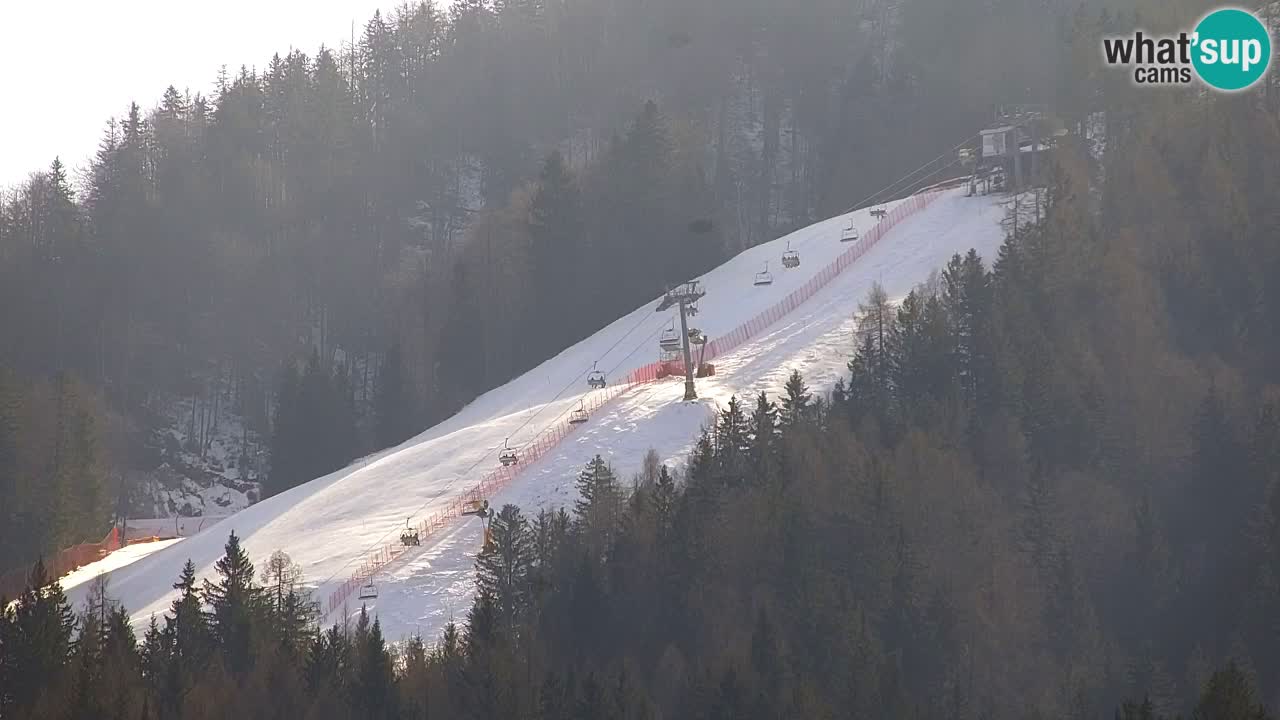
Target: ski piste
{"points": [[343, 528]]}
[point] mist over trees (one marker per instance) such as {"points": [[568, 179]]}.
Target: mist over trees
{"points": [[1047, 486], [466, 186]]}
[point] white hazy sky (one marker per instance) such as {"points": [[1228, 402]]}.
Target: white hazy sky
{"points": [[68, 65]]}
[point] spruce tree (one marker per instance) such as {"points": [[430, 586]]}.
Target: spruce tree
{"points": [[732, 445], [40, 636], [599, 504], [664, 500], [235, 606], [186, 626], [374, 685], [764, 437], [796, 402], [504, 567]]}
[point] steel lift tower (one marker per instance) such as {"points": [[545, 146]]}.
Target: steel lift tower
{"points": [[686, 296]]}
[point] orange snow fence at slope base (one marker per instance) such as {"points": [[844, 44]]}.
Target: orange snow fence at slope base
{"points": [[61, 563]]}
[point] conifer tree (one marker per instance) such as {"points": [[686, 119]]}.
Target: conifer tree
{"points": [[664, 501], [599, 504], [763, 434], [235, 605], [504, 567], [374, 686], [40, 639], [795, 404]]}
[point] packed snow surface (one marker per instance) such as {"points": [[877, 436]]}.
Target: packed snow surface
{"points": [[127, 555], [327, 524]]}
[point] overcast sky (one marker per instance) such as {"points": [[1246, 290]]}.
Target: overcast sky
{"points": [[68, 65]]}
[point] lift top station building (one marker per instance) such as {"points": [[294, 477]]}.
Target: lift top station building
{"points": [[1012, 148]]}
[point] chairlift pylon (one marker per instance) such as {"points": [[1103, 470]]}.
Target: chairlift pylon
{"points": [[595, 378], [790, 258], [764, 277]]}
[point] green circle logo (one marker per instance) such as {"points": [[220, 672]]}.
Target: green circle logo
{"points": [[1232, 49]]}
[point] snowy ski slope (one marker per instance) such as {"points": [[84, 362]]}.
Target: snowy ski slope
{"points": [[327, 524]]}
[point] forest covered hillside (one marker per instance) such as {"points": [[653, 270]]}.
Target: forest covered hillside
{"points": [[1048, 485], [405, 209]]}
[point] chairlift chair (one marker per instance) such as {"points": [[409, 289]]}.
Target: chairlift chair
{"points": [[595, 379], [790, 258], [508, 457], [369, 591], [670, 338], [849, 234], [409, 536], [764, 277], [579, 415]]}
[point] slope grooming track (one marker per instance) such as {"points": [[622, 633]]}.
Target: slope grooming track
{"points": [[337, 527]]}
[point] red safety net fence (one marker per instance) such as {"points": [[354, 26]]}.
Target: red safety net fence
{"points": [[60, 563], [379, 557], [493, 481], [797, 297]]}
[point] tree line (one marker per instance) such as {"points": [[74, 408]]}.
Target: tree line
{"points": [[410, 209], [1045, 487]]}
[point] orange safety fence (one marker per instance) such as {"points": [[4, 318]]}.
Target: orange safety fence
{"points": [[379, 557], [60, 563]]}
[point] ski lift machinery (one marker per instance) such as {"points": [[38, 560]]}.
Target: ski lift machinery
{"points": [[764, 277]]}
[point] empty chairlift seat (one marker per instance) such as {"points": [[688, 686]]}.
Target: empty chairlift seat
{"points": [[849, 234], [579, 415], [764, 277]]}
